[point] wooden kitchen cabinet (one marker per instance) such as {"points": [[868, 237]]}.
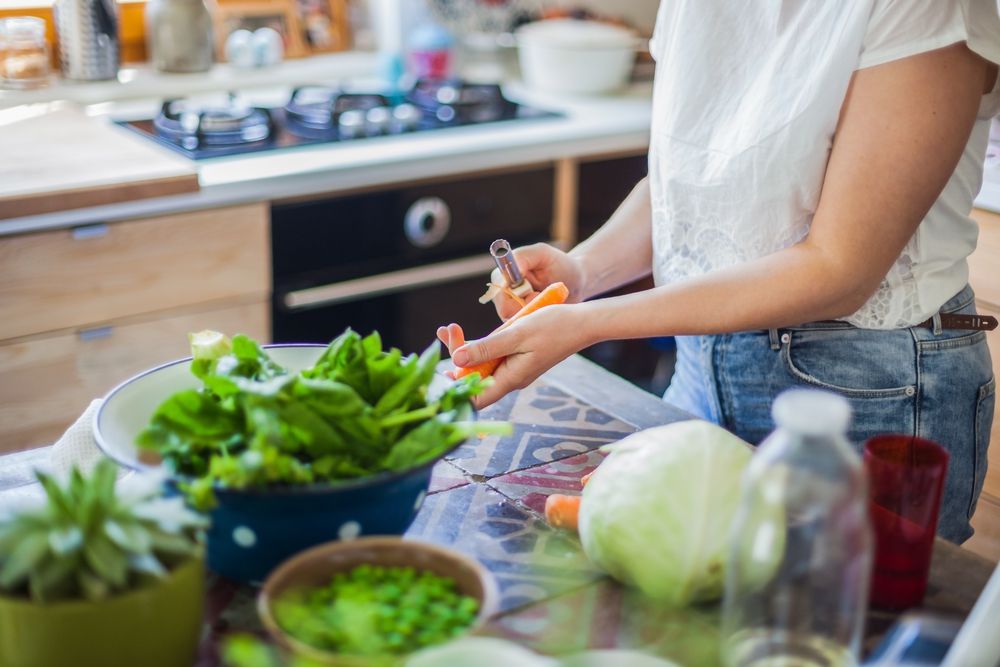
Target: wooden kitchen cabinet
{"points": [[98, 273], [984, 276], [46, 382], [85, 309]]}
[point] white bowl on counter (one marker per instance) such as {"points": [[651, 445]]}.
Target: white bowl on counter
{"points": [[576, 57]]}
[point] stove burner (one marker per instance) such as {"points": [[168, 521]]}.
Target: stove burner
{"points": [[320, 108], [455, 102], [232, 125], [319, 114]]}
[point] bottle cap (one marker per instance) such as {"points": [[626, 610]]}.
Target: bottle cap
{"points": [[812, 412]]}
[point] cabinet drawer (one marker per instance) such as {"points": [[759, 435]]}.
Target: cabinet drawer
{"points": [[45, 383], [71, 278], [984, 263]]}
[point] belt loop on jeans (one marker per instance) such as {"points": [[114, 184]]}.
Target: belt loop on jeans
{"points": [[775, 341], [936, 323]]}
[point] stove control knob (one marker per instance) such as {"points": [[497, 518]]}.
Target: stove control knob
{"points": [[407, 117], [379, 120], [351, 124], [427, 222]]}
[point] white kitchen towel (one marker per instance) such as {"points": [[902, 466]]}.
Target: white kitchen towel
{"points": [[77, 446]]}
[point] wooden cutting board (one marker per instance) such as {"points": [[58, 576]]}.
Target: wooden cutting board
{"points": [[55, 158]]}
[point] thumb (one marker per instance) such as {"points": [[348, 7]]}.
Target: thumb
{"points": [[495, 346], [532, 257]]}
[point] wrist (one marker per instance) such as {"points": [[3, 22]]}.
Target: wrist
{"points": [[586, 324], [584, 271]]}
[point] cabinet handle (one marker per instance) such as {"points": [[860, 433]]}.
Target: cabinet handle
{"points": [[97, 333], [396, 281], [85, 232]]}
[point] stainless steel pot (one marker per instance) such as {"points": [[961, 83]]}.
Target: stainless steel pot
{"points": [[88, 38]]}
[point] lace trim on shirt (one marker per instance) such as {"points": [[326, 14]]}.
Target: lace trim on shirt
{"points": [[690, 242], [896, 303]]}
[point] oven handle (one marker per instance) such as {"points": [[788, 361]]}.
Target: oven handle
{"points": [[395, 281]]}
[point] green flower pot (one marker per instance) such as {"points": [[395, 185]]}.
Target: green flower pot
{"points": [[157, 626]]}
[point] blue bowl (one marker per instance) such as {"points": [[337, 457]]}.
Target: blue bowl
{"points": [[253, 530]]}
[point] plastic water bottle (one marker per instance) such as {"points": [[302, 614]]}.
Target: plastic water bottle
{"points": [[801, 544]]}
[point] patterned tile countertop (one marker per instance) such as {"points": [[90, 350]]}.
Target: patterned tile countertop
{"points": [[487, 500]]}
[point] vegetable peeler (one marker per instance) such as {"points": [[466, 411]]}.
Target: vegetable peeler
{"points": [[503, 255]]}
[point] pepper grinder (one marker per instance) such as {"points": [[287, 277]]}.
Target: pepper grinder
{"points": [[88, 39]]}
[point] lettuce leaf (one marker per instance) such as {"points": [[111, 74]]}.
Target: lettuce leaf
{"points": [[359, 410]]}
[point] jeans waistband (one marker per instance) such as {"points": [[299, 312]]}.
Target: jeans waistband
{"points": [[963, 298]]}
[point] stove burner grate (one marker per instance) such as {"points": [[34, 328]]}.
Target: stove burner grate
{"points": [[234, 124]]}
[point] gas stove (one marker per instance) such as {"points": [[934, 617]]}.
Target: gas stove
{"points": [[325, 114]]}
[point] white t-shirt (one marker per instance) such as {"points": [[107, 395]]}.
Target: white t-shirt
{"points": [[745, 104]]}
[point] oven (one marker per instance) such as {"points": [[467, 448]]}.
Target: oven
{"points": [[401, 261]]}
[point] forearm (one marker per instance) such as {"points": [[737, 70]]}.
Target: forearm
{"points": [[621, 250], [795, 285]]}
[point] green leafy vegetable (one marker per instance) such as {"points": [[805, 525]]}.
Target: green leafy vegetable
{"points": [[656, 513], [359, 410], [374, 610]]}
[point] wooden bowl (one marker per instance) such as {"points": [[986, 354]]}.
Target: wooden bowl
{"points": [[316, 566]]}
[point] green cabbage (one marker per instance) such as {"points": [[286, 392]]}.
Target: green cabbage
{"points": [[657, 512]]}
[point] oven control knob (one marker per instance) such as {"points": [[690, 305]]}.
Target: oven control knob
{"points": [[351, 124], [427, 221]]}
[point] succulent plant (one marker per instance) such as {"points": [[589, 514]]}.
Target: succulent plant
{"points": [[90, 540]]}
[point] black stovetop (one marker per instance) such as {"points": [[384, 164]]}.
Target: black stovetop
{"points": [[322, 114]]}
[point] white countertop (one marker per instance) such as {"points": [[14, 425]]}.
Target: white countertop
{"points": [[588, 126]]}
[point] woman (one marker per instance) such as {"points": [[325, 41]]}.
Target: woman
{"points": [[812, 168]]}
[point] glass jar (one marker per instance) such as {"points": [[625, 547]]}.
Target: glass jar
{"points": [[24, 54], [800, 558]]}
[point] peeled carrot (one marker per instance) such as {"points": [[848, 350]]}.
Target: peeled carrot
{"points": [[552, 295], [562, 511]]}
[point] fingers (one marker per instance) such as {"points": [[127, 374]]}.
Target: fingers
{"points": [[507, 307], [532, 260], [457, 336], [512, 374], [452, 336], [497, 345], [533, 257]]}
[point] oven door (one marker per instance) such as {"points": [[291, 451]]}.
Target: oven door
{"points": [[401, 261], [405, 307]]}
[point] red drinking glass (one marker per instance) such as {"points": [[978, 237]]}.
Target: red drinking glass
{"points": [[907, 479]]}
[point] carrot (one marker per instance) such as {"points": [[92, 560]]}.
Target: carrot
{"points": [[562, 511], [586, 478], [552, 295]]}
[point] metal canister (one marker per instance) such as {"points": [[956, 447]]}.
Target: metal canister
{"points": [[89, 44]]}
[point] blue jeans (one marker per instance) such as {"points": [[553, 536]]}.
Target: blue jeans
{"points": [[914, 381]]}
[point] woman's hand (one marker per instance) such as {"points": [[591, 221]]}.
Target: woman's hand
{"points": [[529, 347], [541, 265]]}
